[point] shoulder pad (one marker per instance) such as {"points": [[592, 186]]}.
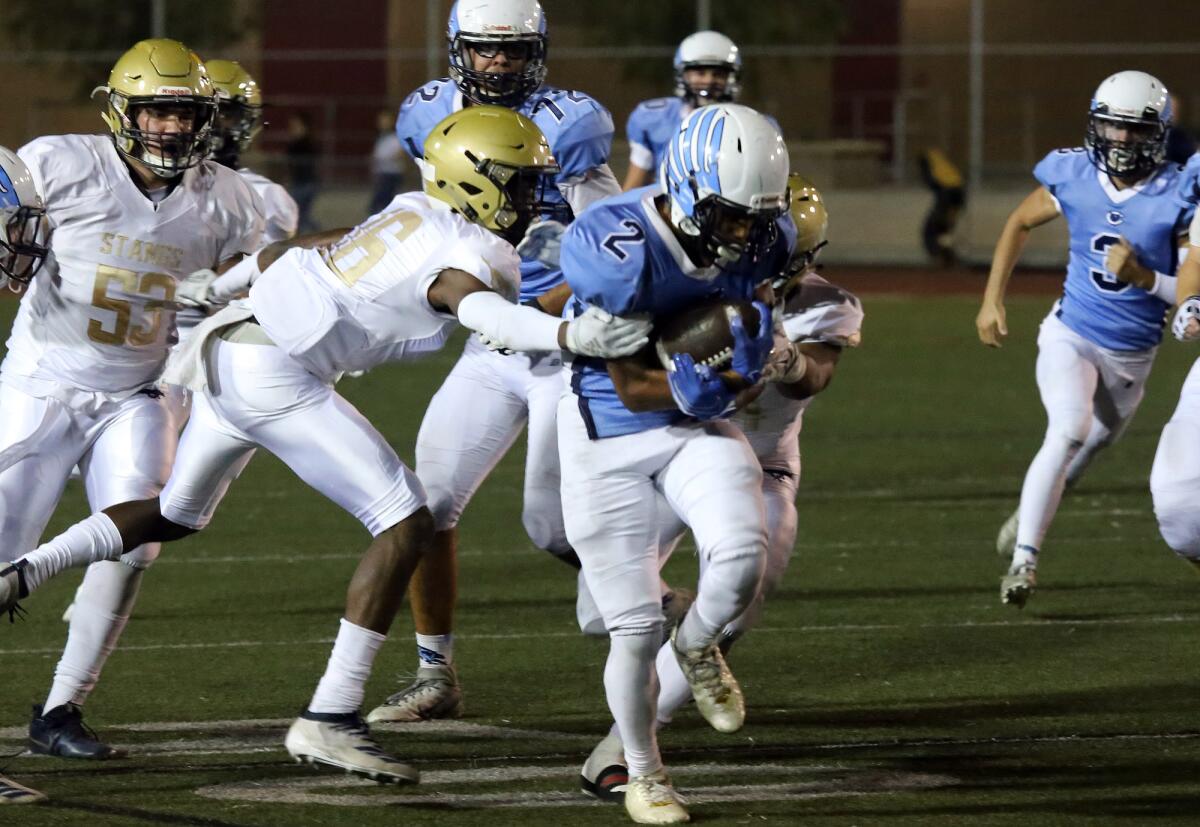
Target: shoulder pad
{"points": [[421, 111], [1063, 165], [1188, 186], [815, 310]]}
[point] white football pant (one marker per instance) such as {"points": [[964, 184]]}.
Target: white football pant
{"points": [[1090, 395], [473, 420], [124, 451], [258, 395], [710, 477], [1175, 477]]}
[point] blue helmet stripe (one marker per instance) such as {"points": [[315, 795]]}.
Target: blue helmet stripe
{"points": [[8, 192]]}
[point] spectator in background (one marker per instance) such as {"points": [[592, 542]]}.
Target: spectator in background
{"points": [[387, 163], [949, 197], [1180, 145], [302, 169]]}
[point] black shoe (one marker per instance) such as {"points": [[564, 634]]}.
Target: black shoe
{"points": [[62, 732]]}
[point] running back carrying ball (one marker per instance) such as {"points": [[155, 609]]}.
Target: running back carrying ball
{"points": [[702, 331]]}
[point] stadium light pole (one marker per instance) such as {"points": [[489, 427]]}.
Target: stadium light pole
{"points": [[975, 101], [703, 15], [433, 40], [158, 18]]}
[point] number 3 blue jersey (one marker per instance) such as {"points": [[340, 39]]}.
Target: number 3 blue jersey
{"points": [[622, 257], [1110, 313], [578, 129]]}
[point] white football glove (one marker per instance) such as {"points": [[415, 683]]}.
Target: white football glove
{"points": [[195, 290], [786, 364], [605, 336], [1186, 324], [542, 243]]}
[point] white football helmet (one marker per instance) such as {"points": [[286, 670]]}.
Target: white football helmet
{"points": [[726, 164], [517, 27], [708, 50], [1127, 124], [22, 220]]}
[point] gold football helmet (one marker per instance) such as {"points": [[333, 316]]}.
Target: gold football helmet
{"points": [[490, 164], [239, 110], [807, 207], [166, 81]]}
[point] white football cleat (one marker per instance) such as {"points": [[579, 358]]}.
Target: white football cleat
{"points": [[650, 799], [1006, 540], [1017, 586], [343, 740], [434, 694], [714, 688], [13, 793], [604, 774]]}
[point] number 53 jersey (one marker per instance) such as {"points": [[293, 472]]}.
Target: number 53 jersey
{"points": [[1108, 312], [99, 316]]}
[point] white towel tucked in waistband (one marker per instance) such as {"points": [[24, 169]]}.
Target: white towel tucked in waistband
{"points": [[185, 366]]}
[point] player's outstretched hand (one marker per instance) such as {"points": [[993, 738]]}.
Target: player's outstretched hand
{"points": [[605, 336], [696, 389], [1186, 324], [1121, 260], [542, 243], [990, 324], [750, 352], [195, 290]]}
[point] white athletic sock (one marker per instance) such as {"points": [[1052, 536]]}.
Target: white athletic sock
{"points": [[88, 541], [673, 691], [1043, 489], [102, 608], [631, 687], [344, 683], [1024, 557], [435, 650]]}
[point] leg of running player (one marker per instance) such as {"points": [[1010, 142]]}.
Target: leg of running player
{"points": [[1175, 477]]}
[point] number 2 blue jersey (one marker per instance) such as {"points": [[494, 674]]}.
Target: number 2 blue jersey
{"points": [[622, 257], [578, 129], [1110, 313]]}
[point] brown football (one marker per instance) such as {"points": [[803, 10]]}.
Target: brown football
{"points": [[703, 332]]}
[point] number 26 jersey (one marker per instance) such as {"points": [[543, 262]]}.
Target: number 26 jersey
{"points": [[98, 316]]}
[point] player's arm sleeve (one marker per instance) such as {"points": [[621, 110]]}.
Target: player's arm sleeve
{"points": [[640, 153], [411, 127], [1056, 169], [248, 222], [40, 157], [825, 313], [596, 184], [585, 142], [598, 276], [283, 216]]}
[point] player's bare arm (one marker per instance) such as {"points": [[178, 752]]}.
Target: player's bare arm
{"points": [[555, 299], [1037, 209], [636, 177], [820, 362]]}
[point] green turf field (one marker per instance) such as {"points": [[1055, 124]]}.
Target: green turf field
{"points": [[886, 685]]}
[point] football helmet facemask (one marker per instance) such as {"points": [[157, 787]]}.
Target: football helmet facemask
{"points": [[491, 165], [1127, 125], [708, 50], [23, 245], [239, 110], [725, 173], [488, 27], [167, 80]]}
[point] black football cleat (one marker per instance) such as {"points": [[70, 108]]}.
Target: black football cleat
{"points": [[62, 732]]}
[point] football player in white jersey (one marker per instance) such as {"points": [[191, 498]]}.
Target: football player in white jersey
{"points": [[1097, 344], [131, 214], [22, 251], [818, 320], [497, 55], [393, 288], [1175, 476]]}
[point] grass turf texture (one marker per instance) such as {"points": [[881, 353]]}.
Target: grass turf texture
{"points": [[886, 684]]}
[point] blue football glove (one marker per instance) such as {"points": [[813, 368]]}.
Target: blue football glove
{"points": [[750, 352], [696, 389], [542, 243]]}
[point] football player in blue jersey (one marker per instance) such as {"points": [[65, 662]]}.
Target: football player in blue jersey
{"points": [[1175, 476], [1097, 345], [497, 56], [636, 437], [707, 65]]}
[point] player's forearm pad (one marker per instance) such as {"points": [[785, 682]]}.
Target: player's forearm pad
{"points": [[513, 326]]}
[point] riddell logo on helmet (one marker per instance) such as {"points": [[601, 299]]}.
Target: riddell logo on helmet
{"points": [[499, 29], [173, 90]]}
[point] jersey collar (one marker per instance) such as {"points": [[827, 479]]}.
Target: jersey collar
{"points": [[1121, 196], [685, 264]]}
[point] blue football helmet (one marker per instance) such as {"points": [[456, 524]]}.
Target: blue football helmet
{"points": [[22, 221], [515, 27], [726, 174]]}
